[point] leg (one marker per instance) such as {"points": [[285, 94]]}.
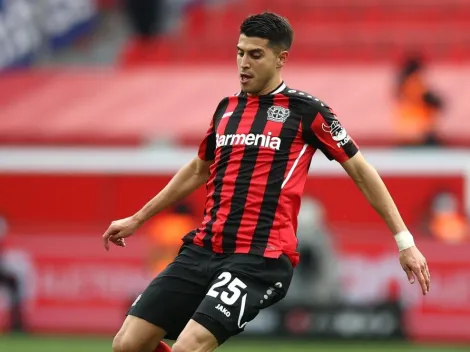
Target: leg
{"points": [[166, 305], [16, 314], [137, 335], [243, 285], [195, 338]]}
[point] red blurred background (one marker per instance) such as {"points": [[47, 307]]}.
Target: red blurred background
{"points": [[96, 117]]}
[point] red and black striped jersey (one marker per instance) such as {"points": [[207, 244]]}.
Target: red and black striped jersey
{"points": [[262, 148]]}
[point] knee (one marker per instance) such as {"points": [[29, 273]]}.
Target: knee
{"points": [[123, 344]]}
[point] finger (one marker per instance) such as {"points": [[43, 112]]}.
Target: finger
{"points": [[422, 281], [106, 237], [427, 275], [410, 275], [119, 244], [123, 242], [426, 279], [118, 241]]}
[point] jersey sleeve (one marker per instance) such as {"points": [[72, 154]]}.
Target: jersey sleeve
{"points": [[323, 130], [207, 147], [206, 150]]}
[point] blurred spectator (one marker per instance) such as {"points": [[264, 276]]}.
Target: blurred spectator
{"points": [[418, 106], [11, 283], [165, 234], [149, 18], [316, 279], [146, 19], [145, 16], [446, 223], [152, 21]]}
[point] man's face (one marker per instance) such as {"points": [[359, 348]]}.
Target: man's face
{"points": [[257, 63]]}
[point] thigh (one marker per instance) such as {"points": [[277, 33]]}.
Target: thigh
{"points": [[195, 338], [137, 334], [174, 295], [241, 287]]}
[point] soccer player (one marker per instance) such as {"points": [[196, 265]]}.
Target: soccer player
{"points": [[254, 162]]}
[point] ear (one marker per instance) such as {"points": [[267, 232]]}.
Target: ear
{"points": [[282, 59]]}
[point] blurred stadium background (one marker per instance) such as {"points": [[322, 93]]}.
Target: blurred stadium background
{"points": [[101, 101]]}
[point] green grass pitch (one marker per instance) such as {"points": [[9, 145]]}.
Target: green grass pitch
{"points": [[77, 344]]}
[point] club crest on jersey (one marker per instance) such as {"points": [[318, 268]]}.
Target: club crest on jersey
{"points": [[337, 132], [278, 114]]}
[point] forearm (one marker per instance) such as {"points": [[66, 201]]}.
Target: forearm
{"points": [[186, 181], [377, 194], [370, 183]]}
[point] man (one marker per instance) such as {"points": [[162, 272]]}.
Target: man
{"points": [[10, 281], [254, 161]]}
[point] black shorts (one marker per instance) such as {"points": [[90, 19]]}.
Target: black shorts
{"points": [[222, 292]]}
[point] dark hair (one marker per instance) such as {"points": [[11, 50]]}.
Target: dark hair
{"points": [[270, 26], [412, 65]]}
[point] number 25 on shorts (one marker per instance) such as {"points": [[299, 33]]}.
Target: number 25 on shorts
{"points": [[234, 292]]}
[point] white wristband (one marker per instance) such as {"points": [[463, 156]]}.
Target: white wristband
{"points": [[404, 240]]}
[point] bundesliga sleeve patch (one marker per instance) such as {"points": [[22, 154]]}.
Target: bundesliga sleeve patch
{"points": [[337, 132]]}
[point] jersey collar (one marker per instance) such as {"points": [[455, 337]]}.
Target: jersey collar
{"points": [[277, 90]]}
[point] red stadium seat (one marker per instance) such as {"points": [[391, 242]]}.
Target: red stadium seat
{"points": [[329, 30]]}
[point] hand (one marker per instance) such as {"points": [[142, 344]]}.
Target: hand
{"points": [[415, 266], [118, 230]]}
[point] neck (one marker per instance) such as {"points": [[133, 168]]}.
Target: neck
{"points": [[271, 86]]}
